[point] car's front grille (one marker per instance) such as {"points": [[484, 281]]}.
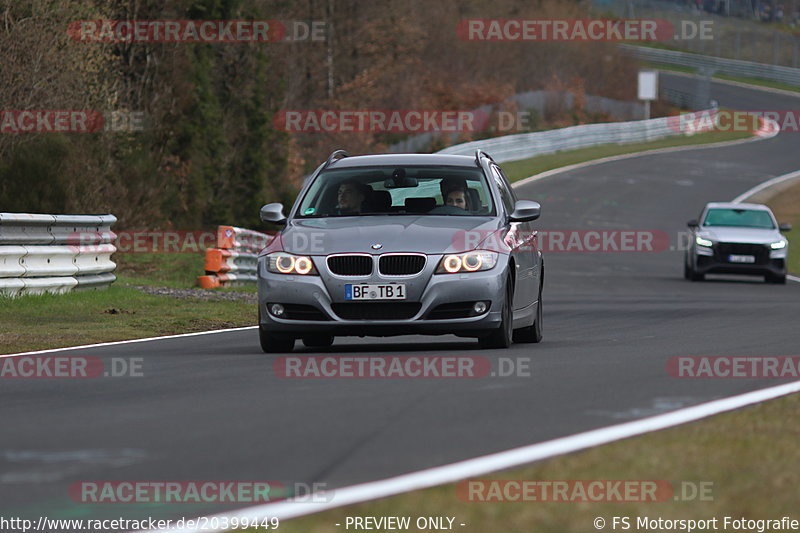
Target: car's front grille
{"points": [[350, 265], [401, 265], [303, 312], [376, 311], [724, 249]]}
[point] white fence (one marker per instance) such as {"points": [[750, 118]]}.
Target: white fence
{"points": [[525, 145], [532, 101], [55, 253]]}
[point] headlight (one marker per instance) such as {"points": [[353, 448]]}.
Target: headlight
{"points": [[283, 263], [467, 262], [778, 245], [702, 242]]}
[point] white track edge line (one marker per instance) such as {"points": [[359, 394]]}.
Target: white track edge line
{"points": [[130, 341], [766, 185], [486, 464]]}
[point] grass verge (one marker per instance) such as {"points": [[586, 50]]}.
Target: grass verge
{"points": [[175, 270], [123, 312], [118, 313], [786, 206], [748, 457], [517, 170], [171, 270]]}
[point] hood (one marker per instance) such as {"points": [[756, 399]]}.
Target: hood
{"points": [[741, 235], [404, 233]]}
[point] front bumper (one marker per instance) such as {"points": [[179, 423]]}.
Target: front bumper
{"points": [[715, 260], [322, 301]]}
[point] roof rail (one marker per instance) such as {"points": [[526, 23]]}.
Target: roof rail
{"points": [[480, 153], [333, 156]]}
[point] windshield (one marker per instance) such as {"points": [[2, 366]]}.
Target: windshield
{"points": [[368, 191], [740, 218]]}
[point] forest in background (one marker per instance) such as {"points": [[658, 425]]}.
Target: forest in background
{"points": [[210, 152]]}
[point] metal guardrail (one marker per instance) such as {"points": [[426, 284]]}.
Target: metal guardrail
{"points": [[733, 32], [525, 145], [710, 65], [55, 253], [235, 259]]}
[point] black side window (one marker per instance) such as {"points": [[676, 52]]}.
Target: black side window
{"points": [[505, 194]]}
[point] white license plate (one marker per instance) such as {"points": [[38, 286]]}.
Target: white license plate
{"points": [[741, 258], [393, 291]]}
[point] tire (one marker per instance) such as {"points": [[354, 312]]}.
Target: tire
{"points": [[274, 343], [779, 279], [502, 337], [690, 274], [318, 341], [532, 333]]}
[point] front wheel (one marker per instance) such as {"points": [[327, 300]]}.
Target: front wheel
{"points": [[779, 279], [503, 335], [532, 333], [691, 274], [273, 343]]}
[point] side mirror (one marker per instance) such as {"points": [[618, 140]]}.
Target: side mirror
{"points": [[693, 223], [273, 213], [525, 211], [785, 227]]}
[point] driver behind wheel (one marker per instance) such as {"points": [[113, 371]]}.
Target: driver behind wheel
{"points": [[455, 195], [350, 197]]}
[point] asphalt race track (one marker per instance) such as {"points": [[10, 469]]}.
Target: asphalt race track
{"points": [[211, 408]]}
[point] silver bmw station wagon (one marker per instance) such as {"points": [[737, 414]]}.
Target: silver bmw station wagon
{"points": [[399, 244]]}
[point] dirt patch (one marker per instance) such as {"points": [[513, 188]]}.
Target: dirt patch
{"points": [[198, 294]]}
